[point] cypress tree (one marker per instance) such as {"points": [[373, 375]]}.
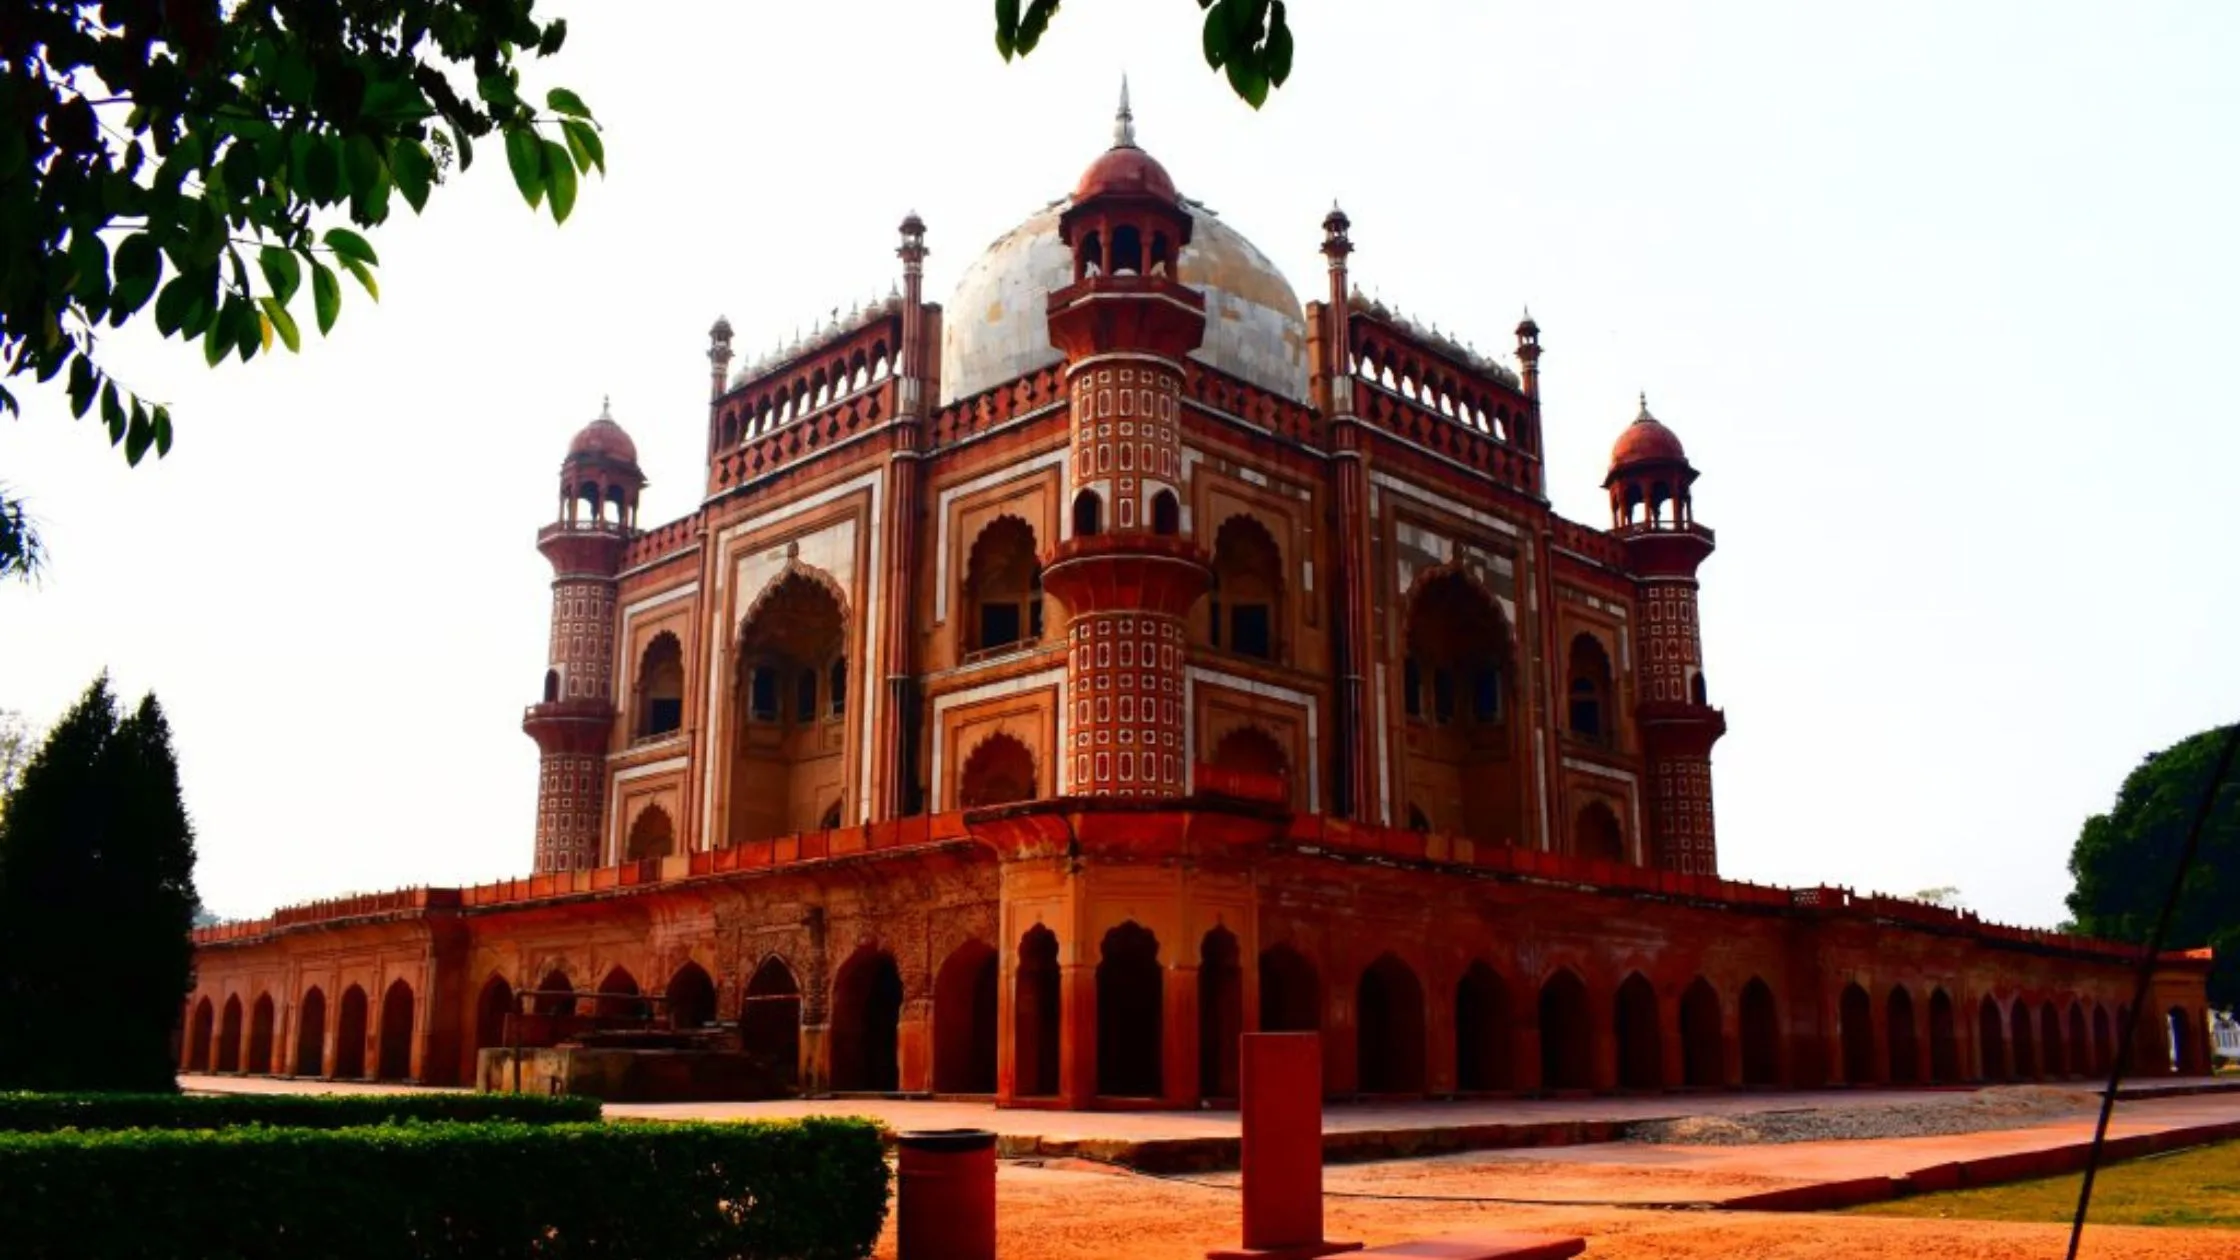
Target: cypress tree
{"points": [[96, 899]]}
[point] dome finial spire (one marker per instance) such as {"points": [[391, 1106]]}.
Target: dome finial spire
{"points": [[1644, 409], [606, 406], [1124, 122]]}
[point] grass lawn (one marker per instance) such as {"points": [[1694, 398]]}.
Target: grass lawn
{"points": [[2194, 1189]]}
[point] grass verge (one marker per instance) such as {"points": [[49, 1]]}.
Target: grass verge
{"points": [[2193, 1189]]}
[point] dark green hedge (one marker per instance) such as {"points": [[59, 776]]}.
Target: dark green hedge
{"points": [[42, 1113], [809, 1190]]}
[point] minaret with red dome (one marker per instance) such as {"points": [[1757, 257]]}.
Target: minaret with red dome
{"points": [[599, 485], [1124, 570], [1652, 509]]}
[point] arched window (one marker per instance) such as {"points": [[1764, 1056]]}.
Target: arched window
{"points": [[1003, 587], [1697, 691], [1127, 250], [762, 694], [652, 835], [1418, 821], [661, 687], [1166, 513], [551, 686], [1485, 694], [837, 689], [1463, 756], [1411, 686], [1589, 690], [1244, 611], [1088, 514], [831, 818], [1000, 771], [1598, 835], [1088, 259], [1162, 257], [795, 635], [805, 696]]}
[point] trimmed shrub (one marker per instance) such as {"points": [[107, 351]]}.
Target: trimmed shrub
{"points": [[43, 1113], [809, 1190]]}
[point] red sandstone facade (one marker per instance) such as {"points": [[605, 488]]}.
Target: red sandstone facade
{"points": [[1056, 683]]}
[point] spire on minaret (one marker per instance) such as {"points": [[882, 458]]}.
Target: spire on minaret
{"points": [[1124, 122], [1644, 416], [606, 406]]}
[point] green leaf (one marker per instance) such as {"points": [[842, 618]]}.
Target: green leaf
{"points": [[248, 330], [281, 271], [586, 146], [217, 339], [349, 246], [89, 268], [139, 265], [1215, 37], [83, 386], [112, 412], [172, 305], [1279, 47], [1248, 80], [525, 154], [139, 434], [560, 177], [322, 171], [563, 101], [361, 163], [1036, 21], [1007, 27], [326, 295], [364, 275], [162, 424], [282, 323], [414, 171]]}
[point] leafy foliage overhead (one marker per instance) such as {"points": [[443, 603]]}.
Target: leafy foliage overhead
{"points": [[1249, 40], [2124, 860], [207, 164]]}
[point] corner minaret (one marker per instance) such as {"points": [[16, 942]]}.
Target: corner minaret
{"points": [[1123, 569], [1652, 509], [599, 485]]}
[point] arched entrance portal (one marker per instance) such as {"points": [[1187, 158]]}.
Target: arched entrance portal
{"points": [[556, 994], [229, 1036], [1566, 1060], [1035, 1013], [964, 1021], [1761, 1035], [200, 1030], [785, 749], [1481, 1031], [1991, 1041], [396, 1032], [2181, 1041], [1703, 1052], [1220, 1013], [311, 1034], [770, 1021], [1640, 1045], [2022, 1042], [2053, 1057], [1464, 754], [2103, 1044], [1388, 1028], [618, 997], [1290, 992], [691, 997], [1130, 1013], [866, 1023], [350, 1035], [260, 1035], [490, 1012], [1855, 1022], [1905, 1048], [1944, 1040], [2079, 1044]]}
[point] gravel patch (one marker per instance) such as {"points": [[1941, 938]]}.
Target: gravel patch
{"points": [[2015, 1107]]}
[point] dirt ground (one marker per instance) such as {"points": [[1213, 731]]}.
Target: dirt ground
{"points": [[1066, 1210]]}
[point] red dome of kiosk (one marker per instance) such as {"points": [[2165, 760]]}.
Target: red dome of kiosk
{"points": [[1125, 170], [604, 439], [1646, 441]]}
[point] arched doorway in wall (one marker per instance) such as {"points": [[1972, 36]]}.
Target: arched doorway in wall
{"points": [[1761, 1035], [1640, 1043], [1130, 1013], [350, 1035], [556, 994], [2022, 1042], [1035, 1015], [1253, 751], [691, 994], [311, 1033], [653, 835], [2180, 1024], [260, 1035], [1905, 1046], [1591, 717], [396, 1032], [618, 997], [229, 1036], [785, 750], [1703, 1050], [1481, 1031], [866, 1023], [1944, 1040], [1855, 1022], [1290, 991], [1220, 1013], [659, 693], [2103, 1041], [1002, 588], [200, 1030], [1597, 834], [999, 771], [770, 1021], [2053, 1059], [1566, 1047], [1388, 1028], [491, 1008], [2077, 1046], [1463, 766], [964, 1021], [1244, 607], [1991, 1042]]}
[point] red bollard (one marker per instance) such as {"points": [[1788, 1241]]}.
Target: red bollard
{"points": [[1281, 1110], [945, 1195]]}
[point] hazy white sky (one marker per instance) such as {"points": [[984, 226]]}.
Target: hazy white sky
{"points": [[1940, 297]]}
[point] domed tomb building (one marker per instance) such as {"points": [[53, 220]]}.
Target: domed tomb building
{"points": [[1058, 681]]}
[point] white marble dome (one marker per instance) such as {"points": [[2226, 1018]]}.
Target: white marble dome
{"points": [[996, 325]]}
